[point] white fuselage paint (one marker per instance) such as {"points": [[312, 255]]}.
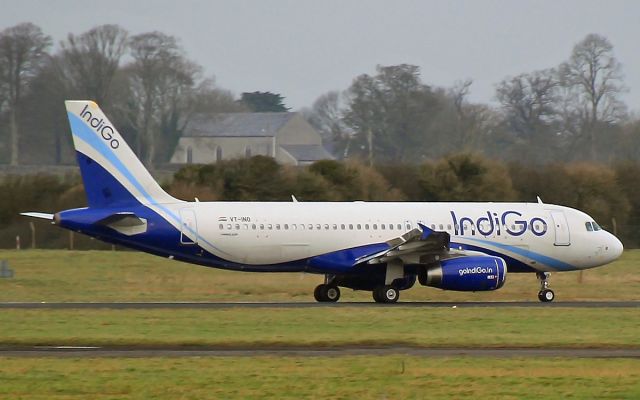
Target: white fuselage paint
{"points": [[258, 233]]}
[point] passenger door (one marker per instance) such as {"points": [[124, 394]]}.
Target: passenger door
{"points": [[188, 227], [561, 227]]}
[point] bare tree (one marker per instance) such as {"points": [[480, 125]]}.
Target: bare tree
{"points": [[326, 115], [89, 62], [529, 101], [593, 79], [161, 80], [390, 112], [22, 50]]}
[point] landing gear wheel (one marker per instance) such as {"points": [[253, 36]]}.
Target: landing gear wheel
{"points": [[386, 294], [326, 293], [546, 295]]}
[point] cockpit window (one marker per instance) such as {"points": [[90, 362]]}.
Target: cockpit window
{"points": [[592, 226]]}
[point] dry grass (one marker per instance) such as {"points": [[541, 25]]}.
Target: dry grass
{"points": [[363, 377], [50, 275]]}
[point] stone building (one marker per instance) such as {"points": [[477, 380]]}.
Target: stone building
{"points": [[285, 136]]}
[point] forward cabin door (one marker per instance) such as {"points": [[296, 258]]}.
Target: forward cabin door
{"points": [[561, 226], [188, 227]]}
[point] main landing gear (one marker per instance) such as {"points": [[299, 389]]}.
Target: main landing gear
{"points": [[545, 294], [327, 292], [386, 294]]}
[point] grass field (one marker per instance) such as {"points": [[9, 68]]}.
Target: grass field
{"points": [[128, 276], [357, 377], [49, 275], [327, 327]]}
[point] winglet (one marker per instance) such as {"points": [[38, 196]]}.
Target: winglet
{"points": [[426, 231]]}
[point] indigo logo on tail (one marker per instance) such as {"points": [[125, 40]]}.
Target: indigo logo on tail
{"points": [[99, 125]]}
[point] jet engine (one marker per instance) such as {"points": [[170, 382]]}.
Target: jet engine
{"points": [[466, 274]]}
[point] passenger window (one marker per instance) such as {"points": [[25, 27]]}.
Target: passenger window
{"points": [[245, 227], [221, 226], [375, 227], [449, 227], [229, 226], [399, 227], [286, 227], [342, 227], [278, 226], [326, 227], [335, 227], [381, 226], [310, 227], [237, 227], [261, 227], [351, 227], [441, 227], [318, 226], [253, 227], [359, 227], [269, 226], [294, 227], [301, 227], [433, 226], [366, 226]]}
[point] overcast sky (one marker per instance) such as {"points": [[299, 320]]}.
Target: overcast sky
{"points": [[302, 49]]}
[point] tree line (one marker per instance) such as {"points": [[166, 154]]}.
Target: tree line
{"points": [[150, 88], [611, 194]]}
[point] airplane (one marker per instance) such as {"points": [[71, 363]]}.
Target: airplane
{"points": [[381, 247]]}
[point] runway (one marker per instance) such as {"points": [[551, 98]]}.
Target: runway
{"points": [[222, 305], [142, 352]]}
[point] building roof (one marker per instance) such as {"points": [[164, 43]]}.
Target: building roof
{"points": [[307, 152], [237, 125]]}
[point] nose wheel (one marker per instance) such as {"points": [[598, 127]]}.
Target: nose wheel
{"points": [[545, 294]]}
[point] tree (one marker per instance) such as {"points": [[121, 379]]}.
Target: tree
{"points": [[465, 177], [390, 112], [264, 102], [89, 62], [530, 105], [593, 79], [22, 50], [327, 116], [162, 82]]}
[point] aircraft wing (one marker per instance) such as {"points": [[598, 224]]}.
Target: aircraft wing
{"points": [[412, 247]]}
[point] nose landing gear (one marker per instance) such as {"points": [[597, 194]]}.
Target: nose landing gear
{"points": [[545, 294]]}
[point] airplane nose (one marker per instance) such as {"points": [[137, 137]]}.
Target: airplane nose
{"points": [[615, 247]]}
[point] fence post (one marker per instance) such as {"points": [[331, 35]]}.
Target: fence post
{"points": [[18, 242], [32, 226]]}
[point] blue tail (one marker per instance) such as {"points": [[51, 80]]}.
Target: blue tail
{"points": [[112, 174]]}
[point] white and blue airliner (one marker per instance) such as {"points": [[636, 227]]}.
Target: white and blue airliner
{"points": [[374, 246]]}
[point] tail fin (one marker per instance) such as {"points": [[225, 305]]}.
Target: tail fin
{"points": [[111, 172]]}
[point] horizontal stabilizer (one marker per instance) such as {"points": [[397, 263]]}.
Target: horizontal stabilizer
{"points": [[39, 215], [126, 223]]}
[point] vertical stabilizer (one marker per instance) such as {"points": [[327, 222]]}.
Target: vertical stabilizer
{"points": [[111, 172]]}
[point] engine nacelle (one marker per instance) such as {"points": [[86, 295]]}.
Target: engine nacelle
{"points": [[466, 274]]}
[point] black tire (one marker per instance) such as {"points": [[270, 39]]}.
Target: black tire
{"points": [[386, 294], [318, 293], [389, 294], [376, 295], [546, 295], [326, 293], [331, 294]]}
